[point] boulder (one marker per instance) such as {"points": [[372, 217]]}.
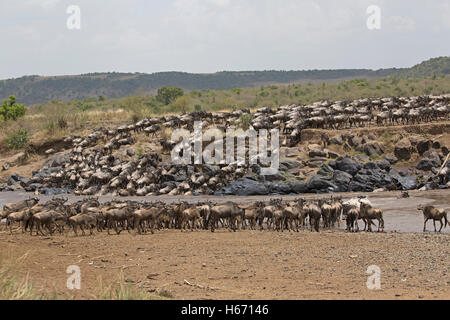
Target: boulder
{"points": [[436, 145], [298, 187], [312, 147], [279, 188], [317, 153], [423, 146], [427, 164], [391, 159], [245, 187], [342, 180], [372, 149], [325, 170], [384, 165], [337, 139], [321, 184], [403, 149], [348, 165]]}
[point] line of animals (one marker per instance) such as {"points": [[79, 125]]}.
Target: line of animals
{"points": [[290, 119], [278, 215]]}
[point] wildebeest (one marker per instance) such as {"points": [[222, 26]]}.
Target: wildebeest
{"points": [[430, 212], [228, 211], [367, 213]]}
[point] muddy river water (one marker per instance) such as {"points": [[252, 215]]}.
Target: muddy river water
{"points": [[400, 215]]}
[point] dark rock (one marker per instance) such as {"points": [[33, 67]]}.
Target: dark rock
{"points": [[275, 177], [317, 153], [370, 165], [342, 180], [391, 158], [348, 165], [356, 186], [423, 146], [384, 165], [332, 164], [436, 145], [427, 164], [33, 187], [355, 141], [403, 149], [337, 139], [54, 191], [130, 152], [289, 164], [245, 187], [279, 188], [325, 170], [319, 184], [298, 186], [372, 149], [405, 182], [331, 154]]}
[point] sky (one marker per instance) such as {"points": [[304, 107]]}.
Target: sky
{"points": [[204, 36]]}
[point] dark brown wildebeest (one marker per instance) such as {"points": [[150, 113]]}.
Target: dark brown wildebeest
{"points": [[350, 215], [367, 213], [430, 212]]}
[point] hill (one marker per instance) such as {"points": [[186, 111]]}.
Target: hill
{"points": [[433, 67], [38, 89]]}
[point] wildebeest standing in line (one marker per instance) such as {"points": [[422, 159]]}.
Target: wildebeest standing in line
{"points": [[367, 213]]}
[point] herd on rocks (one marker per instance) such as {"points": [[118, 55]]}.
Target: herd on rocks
{"points": [[96, 166], [277, 215]]}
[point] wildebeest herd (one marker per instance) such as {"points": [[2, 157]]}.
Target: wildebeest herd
{"points": [[140, 217]]}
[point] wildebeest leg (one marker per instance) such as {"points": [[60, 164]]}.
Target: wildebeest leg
{"points": [[441, 225], [82, 230], [425, 225], [434, 223]]}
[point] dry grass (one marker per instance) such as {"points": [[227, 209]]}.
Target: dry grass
{"points": [[13, 287]]}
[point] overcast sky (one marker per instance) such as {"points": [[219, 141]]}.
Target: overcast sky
{"points": [[216, 35]]}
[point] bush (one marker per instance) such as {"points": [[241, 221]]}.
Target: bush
{"points": [[18, 139], [10, 110], [245, 121]]}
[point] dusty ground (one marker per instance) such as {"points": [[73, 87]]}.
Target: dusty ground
{"points": [[251, 264], [243, 265]]}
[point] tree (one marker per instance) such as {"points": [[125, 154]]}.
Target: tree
{"points": [[167, 95], [11, 110], [181, 104]]}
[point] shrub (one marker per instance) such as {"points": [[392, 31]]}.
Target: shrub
{"points": [[245, 121], [18, 139], [10, 110]]}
